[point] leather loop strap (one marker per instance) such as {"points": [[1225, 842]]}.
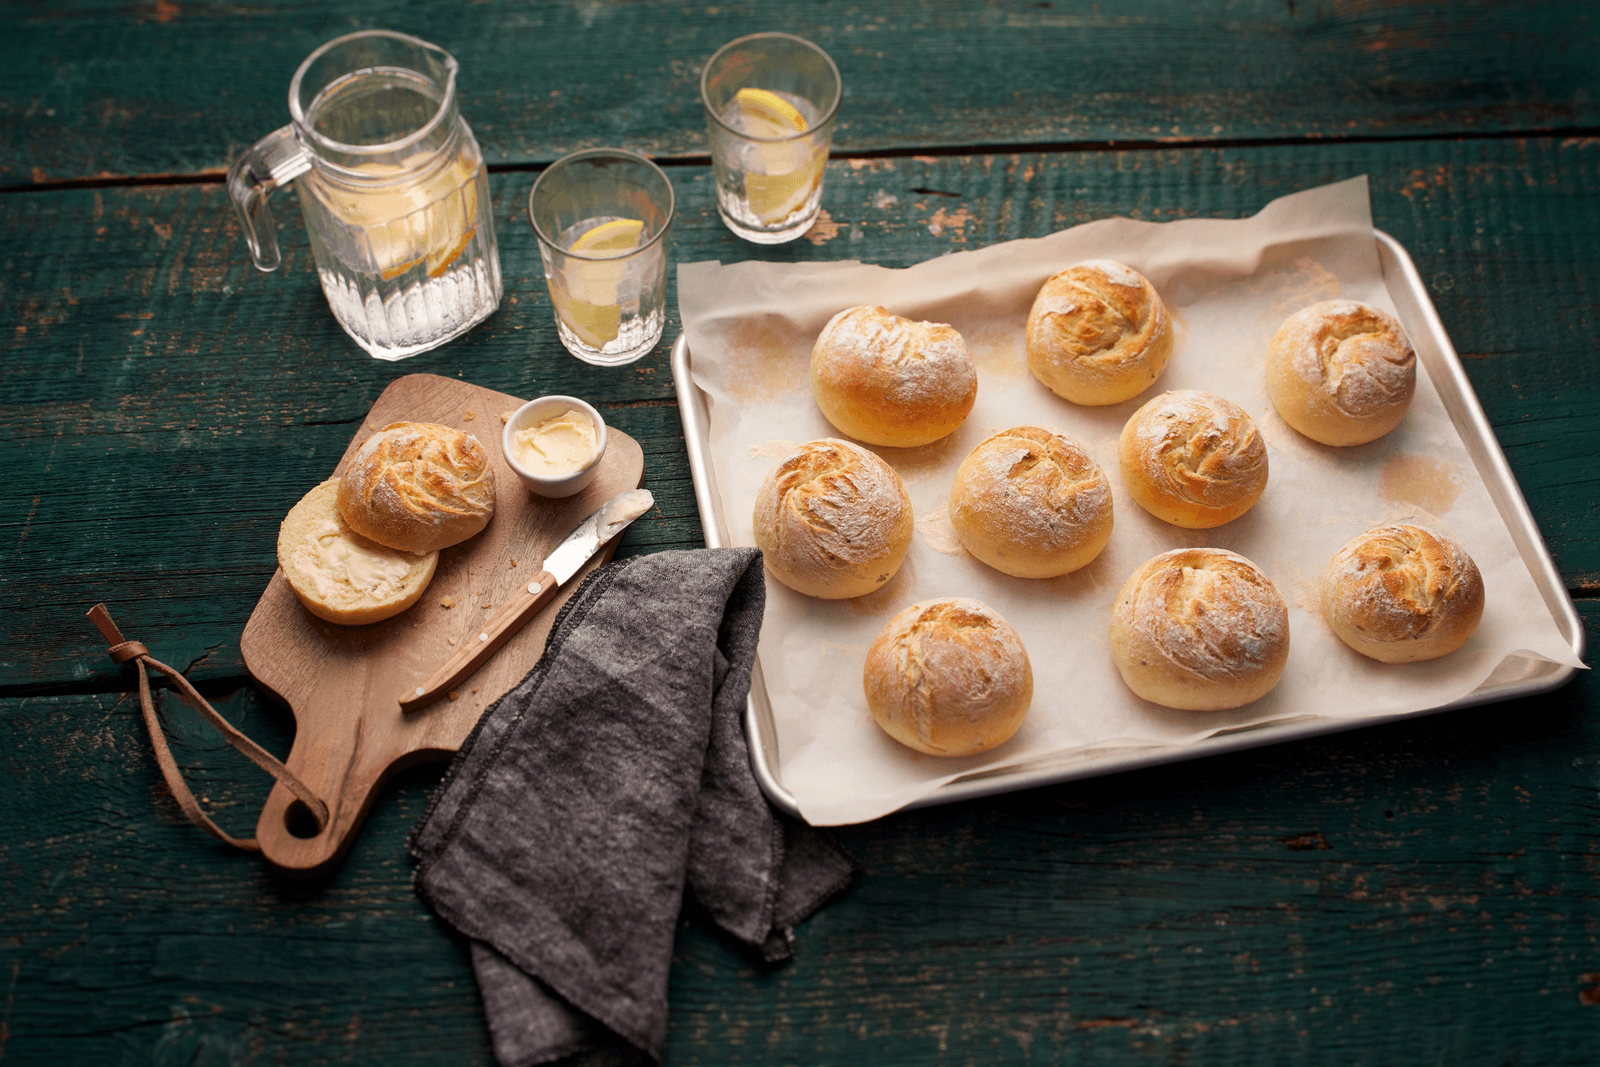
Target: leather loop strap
{"points": [[127, 650], [123, 651]]}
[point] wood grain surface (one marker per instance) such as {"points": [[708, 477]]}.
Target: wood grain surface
{"points": [[100, 90], [1427, 892]]}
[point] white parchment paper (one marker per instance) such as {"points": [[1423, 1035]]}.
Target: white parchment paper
{"points": [[1229, 284]]}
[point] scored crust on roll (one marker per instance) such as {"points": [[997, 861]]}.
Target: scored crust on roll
{"points": [[1341, 372], [948, 677], [1098, 333], [1031, 503], [418, 487], [888, 380], [341, 576], [1401, 593], [832, 520], [1192, 459], [1199, 629]]}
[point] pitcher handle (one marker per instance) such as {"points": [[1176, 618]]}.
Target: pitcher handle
{"points": [[274, 161]]}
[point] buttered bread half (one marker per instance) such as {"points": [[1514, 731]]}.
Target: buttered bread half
{"points": [[341, 576]]}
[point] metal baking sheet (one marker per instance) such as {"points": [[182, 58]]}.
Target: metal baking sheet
{"points": [[1516, 677]]}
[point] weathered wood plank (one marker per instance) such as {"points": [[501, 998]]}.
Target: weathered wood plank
{"points": [[1418, 893], [165, 404], [93, 88]]}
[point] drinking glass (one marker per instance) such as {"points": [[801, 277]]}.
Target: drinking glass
{"points": [[602, 216], [393, 189], [770, 101]]}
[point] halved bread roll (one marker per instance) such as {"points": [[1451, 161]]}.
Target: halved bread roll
{"points": [[341, 576]]}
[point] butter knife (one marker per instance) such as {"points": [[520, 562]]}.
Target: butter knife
{"points": [[559, 566]]}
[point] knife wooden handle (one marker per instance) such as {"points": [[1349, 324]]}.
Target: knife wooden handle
{"points": [[478, 647]]}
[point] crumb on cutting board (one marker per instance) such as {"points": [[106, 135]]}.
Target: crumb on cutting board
{"points": [[470, 415], [447, 602]]}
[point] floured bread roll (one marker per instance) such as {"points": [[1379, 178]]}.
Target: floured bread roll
{"points": [[418, 487], [1199, 629], [341, 576], [1098, 333], [890, 381], [1031, 503], [948, 677], [1401, 593], [1341, 372], [1192, 459], [832, 520]]}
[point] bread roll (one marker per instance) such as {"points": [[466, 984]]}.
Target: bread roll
{"points": [[832, 520], [1341, 373], [1401, 593], [1031, 503], [948, 677], [341, 576], [418, 487], [890, 381], [1192, 459], [1199, 629], [1098, 333]]}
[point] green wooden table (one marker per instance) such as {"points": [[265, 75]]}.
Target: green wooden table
{"points": [[1419, 893]]}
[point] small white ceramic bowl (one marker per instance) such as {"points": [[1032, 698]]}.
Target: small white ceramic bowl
{"points": [[530, 415]]}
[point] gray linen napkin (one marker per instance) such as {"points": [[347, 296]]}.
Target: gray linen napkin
{"points": [[612, 778]]}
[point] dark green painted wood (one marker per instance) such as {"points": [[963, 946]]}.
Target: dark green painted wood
{"points": [[97, 88], [1189, 914], [166, 403]]}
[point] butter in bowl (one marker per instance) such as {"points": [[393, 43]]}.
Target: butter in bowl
{"points": [[554, 445]]}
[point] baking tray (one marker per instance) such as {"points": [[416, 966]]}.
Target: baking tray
{"points": [[1516, 677]]}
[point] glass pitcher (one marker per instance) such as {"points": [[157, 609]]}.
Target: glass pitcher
{"points": [[393, 189]]}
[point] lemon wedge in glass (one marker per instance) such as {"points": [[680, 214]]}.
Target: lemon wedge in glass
{"points": [[585, 292], [760, 108], [790, 170], [617, 235]]}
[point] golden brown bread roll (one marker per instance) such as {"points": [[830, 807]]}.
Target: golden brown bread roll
{"points": [[1199, 629], [1401, 593], [1098, 333], [1341, 372], [1031, 503], [418, 487], [948, 677], [890, 381], [1192, 459], [832, 520], [341, 576]]}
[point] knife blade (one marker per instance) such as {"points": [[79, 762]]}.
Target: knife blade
{"points": [[565, 560]]}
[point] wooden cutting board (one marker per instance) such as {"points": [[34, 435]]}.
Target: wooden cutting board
{"points": [[343, 683]]}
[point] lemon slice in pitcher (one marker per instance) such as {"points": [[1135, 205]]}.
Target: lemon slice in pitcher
{"points": [[585, 292], [789, 171]]}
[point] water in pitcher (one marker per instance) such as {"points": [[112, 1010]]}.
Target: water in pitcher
{"points": [[405, 250]]}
